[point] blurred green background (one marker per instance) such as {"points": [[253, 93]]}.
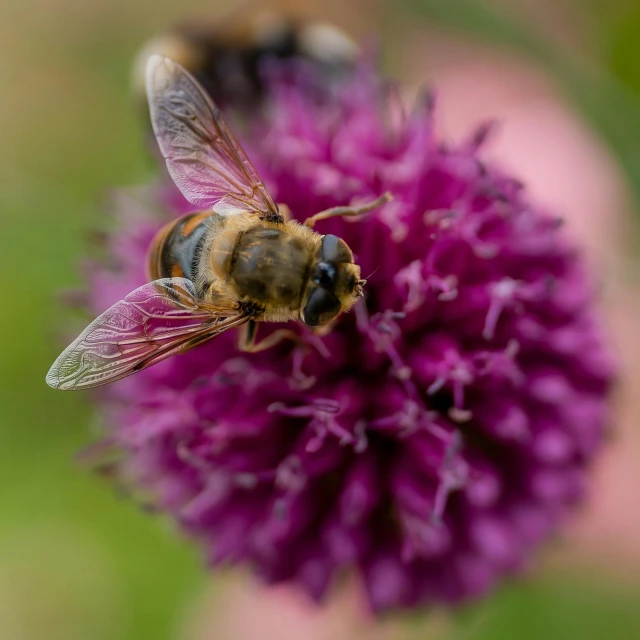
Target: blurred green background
{"points": [[76, 561]]}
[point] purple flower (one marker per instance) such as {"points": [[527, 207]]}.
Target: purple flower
{"points": [[440, 431]]}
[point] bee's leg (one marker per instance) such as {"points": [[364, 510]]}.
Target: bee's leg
{"points": [[324, 329], [248, 333], [335, 212]]}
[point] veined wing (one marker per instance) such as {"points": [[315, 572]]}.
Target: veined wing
{"points": [[153, 322], [203, 157]]}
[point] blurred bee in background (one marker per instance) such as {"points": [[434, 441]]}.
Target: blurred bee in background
{"points": [[226, 57], [240, 262]]}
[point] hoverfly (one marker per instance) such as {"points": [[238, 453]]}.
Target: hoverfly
{"points": [[239, 262]]}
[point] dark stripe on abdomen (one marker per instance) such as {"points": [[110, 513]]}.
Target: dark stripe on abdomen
{"points": [[179, 247]]}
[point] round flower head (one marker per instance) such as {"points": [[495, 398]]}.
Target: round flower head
{"points": [[437, 433]]}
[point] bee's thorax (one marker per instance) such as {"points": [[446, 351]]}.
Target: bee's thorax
{"points": [[265, 264]]}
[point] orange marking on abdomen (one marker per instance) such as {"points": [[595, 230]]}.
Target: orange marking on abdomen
{"points": [[173, 250], [194, 222], [176, 271]]}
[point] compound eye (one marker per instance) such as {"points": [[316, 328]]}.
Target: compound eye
{"points": [[324, 274], [334, 249], [321, 307]]}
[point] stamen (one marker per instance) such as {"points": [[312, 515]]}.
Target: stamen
{"points": [[458, 373], [457, 222], [411, 278], [442, 218], [383, 330], [362, 316], [185, 454], [322, 412], [214, 493], [325, 405], [411, 418], [501, 363], [392, 214], [502, 295], [408, 419], [454, 474], [510, 293], [448, 287], [298, 379]]}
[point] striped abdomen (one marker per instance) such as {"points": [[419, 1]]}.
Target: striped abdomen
{"points": [[176, 249]]}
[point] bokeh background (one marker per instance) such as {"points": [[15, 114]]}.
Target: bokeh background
{"points": [[78, 562]]}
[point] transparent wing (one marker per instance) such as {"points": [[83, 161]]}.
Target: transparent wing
{"points": [[204, 159], [153, 322]]}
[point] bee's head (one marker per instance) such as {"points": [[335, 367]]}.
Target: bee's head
{"points": [[334, 283]]}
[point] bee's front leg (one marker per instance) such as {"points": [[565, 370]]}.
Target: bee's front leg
{"points": [[248, 333], [347, 212]]}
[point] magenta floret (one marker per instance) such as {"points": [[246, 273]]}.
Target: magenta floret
{"points": [[436, 436]]}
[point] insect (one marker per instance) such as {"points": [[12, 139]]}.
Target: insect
{"points": [[227, 57], [237, 263]]}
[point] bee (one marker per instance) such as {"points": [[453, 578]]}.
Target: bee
{"points": [[226, 57], [239, 262]]}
